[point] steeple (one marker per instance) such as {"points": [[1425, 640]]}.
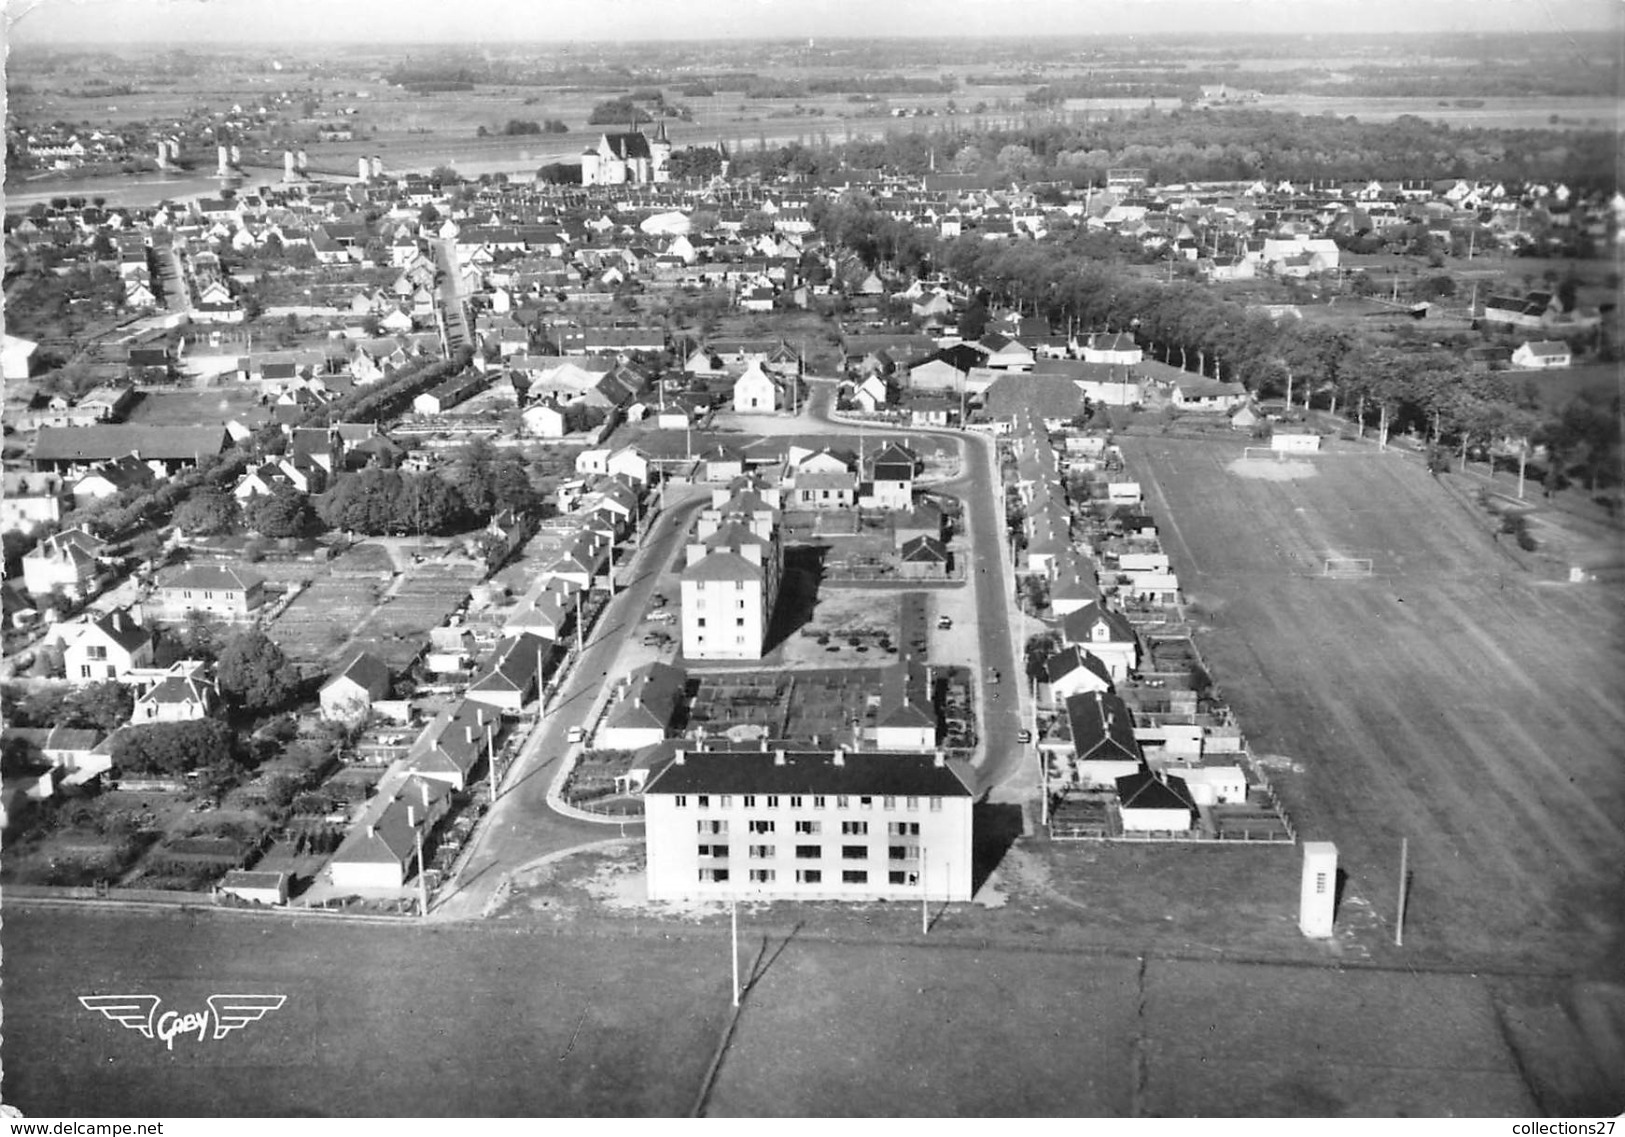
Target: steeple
{"points": [[660, 131]]}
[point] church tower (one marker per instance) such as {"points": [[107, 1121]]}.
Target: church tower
{"points": [[660, 154]]}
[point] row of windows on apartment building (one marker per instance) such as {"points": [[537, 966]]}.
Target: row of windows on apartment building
{"points": [[813, 828], [814, 852], [799, 801], [812, 876], [699, 622], [699, 601]]}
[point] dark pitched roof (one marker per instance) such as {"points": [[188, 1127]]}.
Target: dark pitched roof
{"points": [[1102, 728], [1145, 790], [98, 443], [874, 773]]}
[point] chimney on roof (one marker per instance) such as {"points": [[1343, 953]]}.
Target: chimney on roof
{"points": [[778, 757], [468, 733], [411, 817], [372, 830], [839, 757], [678, 758], [941, 758], [424, 786]]}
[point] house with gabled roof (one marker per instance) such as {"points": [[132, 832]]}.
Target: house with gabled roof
{"points": [[1104, 747], [104, 647], [512, 674], [644, 710], [183, 695], [380, 851], [1072, 671], [1153, 801], [907, 716], [1542, 355], [1107, 635], [68, 561], [455, 742], [348, 694]]}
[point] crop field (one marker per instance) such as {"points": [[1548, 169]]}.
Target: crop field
{"points": [[1448, 700], [322, 617]]}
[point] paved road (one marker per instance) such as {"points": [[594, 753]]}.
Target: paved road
{"points": [[521, 826], [1000, 761]]}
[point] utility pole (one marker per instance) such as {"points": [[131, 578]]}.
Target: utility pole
{"points": [[925, 898], [491, 746], [1399, 916], [733, 919], [423, 879]]}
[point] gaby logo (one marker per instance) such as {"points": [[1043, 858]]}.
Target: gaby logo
{"points": [[140, 1013]]}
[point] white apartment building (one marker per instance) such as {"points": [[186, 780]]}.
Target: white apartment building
{"points": [[747, 824], [728, 591]]}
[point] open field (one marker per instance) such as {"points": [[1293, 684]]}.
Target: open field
{"points": [[522, 1019], [379, 1021], [1448, 700]]}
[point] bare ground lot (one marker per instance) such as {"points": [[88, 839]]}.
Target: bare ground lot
{"points": [[1449, 700]]}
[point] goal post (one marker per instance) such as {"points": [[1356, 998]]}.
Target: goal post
{"points": [[1347, 568], [1261, 454]]}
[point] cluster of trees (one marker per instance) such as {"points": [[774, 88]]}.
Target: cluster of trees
{"points": [[1220, 144], [619, 112], [174, 747], [515, 127], [1198, 329], [479, 483], [94, 706], [212, 512]]}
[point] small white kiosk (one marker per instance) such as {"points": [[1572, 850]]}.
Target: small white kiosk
{"points": [[1318, 892]]}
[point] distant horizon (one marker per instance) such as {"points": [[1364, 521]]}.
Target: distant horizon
{"points": [[425, 23]]}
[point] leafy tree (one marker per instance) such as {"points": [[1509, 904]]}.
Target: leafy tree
{"points": [[283, 513], [102, 706], [173, 747], [973, 321], [208, 512], [254, 674], [489, 482]]}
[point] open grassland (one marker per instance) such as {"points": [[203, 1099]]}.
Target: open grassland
{"points": [[1449, 700], [509, 1019], [379, 1021]]}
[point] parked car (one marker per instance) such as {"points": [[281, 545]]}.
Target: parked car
{"points": [[945, 622], [1024, 736], [575, 734], [993, 676]]}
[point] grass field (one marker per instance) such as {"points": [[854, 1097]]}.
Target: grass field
{"points": [[507, 1019], [1449, 700]]}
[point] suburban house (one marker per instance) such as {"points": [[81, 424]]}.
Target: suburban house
{"points": [[1107, 634], [1114, 348], [755, 390], [1074, 671], [107, 647], [907, 716], [1104, 747], [66, 561], [74, 755], [644, 710], [1155, 802], [892, 482], [454, 743], [725, 823], [923, 558], [1542, 354], [213, 591], [512, 675], [349, 692], [380, 851], [181, 696]]}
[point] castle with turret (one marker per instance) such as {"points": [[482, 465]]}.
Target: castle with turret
{"points": [[626, 158]]}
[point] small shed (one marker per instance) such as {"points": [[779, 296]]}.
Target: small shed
{"points": [[254, 887]]}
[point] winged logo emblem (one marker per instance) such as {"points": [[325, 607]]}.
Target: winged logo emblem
{"points": [[133, 1011], [233, 1012], [139, 1013]]}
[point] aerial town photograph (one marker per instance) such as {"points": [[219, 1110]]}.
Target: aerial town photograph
{"points": [[811, 558]]}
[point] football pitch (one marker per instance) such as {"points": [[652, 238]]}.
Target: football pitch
{"points": [[1448, 700]]}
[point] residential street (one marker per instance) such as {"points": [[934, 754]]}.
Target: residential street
{"points": [[522, 826]]}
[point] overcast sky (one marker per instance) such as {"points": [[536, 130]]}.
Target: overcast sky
{"points": [[494, 21]]}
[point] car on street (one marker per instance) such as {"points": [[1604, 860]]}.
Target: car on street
{"points": [[993, 676], [575, 734], [945, 622], [1024, 736]]}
